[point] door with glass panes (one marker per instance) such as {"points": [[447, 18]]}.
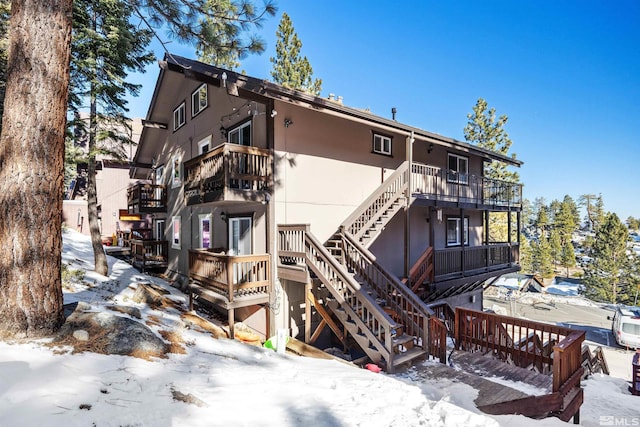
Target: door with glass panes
{"points": [[240, 229], [240, 135]]}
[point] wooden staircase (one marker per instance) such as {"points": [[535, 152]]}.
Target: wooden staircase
{"points": [[369, 219], [383, 316]]}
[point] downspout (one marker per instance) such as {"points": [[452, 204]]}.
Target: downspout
{"points": [[272, 229]]}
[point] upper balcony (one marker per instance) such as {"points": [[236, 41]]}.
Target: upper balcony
{"points": [[146, 198], [228, 172], [446, 186]]}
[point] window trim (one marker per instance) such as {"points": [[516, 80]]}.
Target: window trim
{"points": [[176, 243], [176, 171], [177, 125], [202, 143], [238, 127], [455, 176], [201, 218], [383, 137], [206, 100], [237, 217], [465, 231]]}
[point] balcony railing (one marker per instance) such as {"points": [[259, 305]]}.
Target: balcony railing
{"points": [[449, 186], [459, 261], [146, 198], [228, 172], [231, 276], [149, 254]]}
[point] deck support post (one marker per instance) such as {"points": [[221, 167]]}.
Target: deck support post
{"points": [[307, 312], [231, 313]]}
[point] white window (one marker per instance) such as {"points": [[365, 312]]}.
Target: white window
{"points": [[158, 175], [178, 117], [205, 230], [204, 145], [199, 100], [175, 232], [458, 169], [240, 135], [159, 229], [381, 144], [176, 175], [453, 231]]}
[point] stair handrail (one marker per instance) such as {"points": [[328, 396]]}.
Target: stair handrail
{"points": [[400, 297], [422, 269], [359, 221], [385, 322]]}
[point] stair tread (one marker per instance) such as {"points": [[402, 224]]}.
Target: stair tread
{"points": [[408, 355], [403, 339]]}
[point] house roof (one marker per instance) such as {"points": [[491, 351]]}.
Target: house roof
{"points": [[263, 89]]}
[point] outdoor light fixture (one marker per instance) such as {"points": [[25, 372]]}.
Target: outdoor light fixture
{"points": [[223, 132], [430, 149], [273, 113], [223, 216], [224, 79], [287, 122]]}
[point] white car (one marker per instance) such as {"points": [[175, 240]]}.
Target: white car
{"points": [[626, 326]]}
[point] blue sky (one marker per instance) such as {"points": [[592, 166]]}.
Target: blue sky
{"points": [[566, 73]]}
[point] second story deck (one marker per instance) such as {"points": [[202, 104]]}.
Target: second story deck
{"points": [[442, 186], [228, 172]]}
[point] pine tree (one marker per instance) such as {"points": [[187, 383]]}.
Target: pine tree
{"points": [[223, 50], [605, 275], [595, 209], [526, 256], [484, 130], [289, 69], [555, 245], [32, 143], [106, 46], [31, 165]]}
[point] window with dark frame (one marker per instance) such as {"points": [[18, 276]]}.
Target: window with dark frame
{"points": [[199, 100], [458, 169], [178, 117], [453, 231], [381, 144]]}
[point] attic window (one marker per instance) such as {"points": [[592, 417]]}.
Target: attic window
{"points": [[199, 100], [381, 144], [178, 117]]}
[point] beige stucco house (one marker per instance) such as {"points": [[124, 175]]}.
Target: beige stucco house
{"points": [[296, 212]]}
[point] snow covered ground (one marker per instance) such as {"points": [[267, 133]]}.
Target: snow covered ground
{"points": [[232, 384]]}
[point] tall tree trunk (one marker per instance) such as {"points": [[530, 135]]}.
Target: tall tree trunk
{"points": [[101, 265], [32, 166]]}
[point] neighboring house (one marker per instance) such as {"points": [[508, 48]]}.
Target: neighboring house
{"points": [[293, 211], [112, 181]]}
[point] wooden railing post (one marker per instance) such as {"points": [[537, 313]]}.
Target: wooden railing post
{"points": [[230, 274]]}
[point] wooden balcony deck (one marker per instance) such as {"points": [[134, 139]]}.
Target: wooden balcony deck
{"points": [[146, 198], [467, 261], [445, 186], [230, 281], [228, 172], [149, 254]]}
